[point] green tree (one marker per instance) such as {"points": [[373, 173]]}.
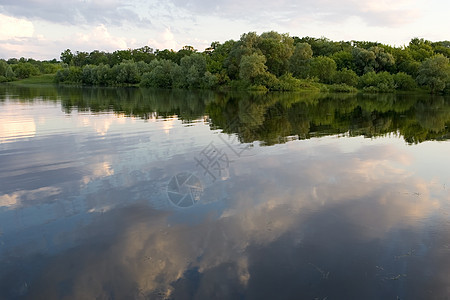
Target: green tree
{"points": [[144, 54], [166, 54], [252, 66], [384, 61], [194, 68], [404, 82], [323, 46], [49, 68], [277, 48], [442, 47], [80, 59], [126, 72], [343, 59], [434, 73], [66, 56], [377, 82], [300, 59], [24, 70], [89, 75], [323, 68], [246, 45], [217, 55], [97, 57], [210, 80], [120, 55], [162, 74], [420, 49], [346, 76], [103, 76], [70, 74], [364, 60], [6, 72]]}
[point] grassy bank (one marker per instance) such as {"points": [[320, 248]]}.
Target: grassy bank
{"points": [[302, 85], [40, 79]]}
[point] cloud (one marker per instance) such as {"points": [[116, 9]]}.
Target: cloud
{"points": [[75, 12], [164, 40], [44, 47], [100, 37], [374, 13], [15, 28]]}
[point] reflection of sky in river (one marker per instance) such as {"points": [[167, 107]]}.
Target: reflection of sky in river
{"points": [[84, 213]]}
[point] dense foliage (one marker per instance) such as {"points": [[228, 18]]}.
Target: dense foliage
{"points": [[270, 61], [22, 68]]}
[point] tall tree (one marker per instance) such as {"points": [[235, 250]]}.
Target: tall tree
{"points": [[252, 66], [434, 72], [67, 56], [323, 68], [299, 61], [277, 48]]}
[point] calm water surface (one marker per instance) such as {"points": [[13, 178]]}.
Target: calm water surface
{"points": [[136, 194]]}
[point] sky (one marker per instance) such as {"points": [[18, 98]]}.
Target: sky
{"points": [[42, 29]]}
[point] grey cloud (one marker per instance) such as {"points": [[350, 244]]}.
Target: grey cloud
{"points": [[287, 11], [73, 12]]}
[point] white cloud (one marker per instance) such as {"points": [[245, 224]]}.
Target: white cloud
{"points": [[74, 24], [100, 37], [377, 13], [14, 28], [164, 40]]}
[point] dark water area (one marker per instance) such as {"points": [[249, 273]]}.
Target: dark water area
{"points": [[125, 193]]}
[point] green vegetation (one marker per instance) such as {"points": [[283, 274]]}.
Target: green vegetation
{"points": [[18, 69], [39, 79], [267, 62]]}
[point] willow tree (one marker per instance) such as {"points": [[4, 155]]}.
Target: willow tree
{"points": [[434, 72], [252, 66]]}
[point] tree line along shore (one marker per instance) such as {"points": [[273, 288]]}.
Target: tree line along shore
{"points": [[267, 62]]}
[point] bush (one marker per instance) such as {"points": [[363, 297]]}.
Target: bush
{"points": [[193, 68], [346, 76], [162, 74], [6, 72], [89, 74], [25, 70], [382, 82], [323, 68], [103, 75], [126, 72], [287, 82], [434, 73], [266, 79], [69, 75], [49, 68], [257, 88], [210, 81], [342, 88], [404, 82]]}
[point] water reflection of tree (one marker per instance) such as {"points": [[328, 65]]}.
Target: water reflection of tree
{"points": [[270, 118]]}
